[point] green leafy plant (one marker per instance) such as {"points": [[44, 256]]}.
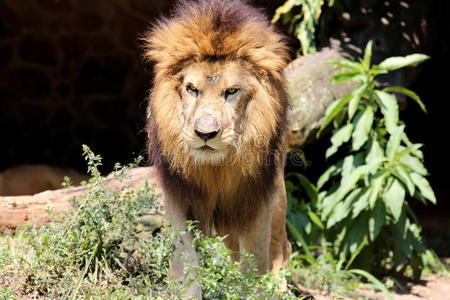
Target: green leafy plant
{"points": [[362, 197], [357, 219], [302, 21], [222, 278], [111, 245], [315, 264], [303, 223]]}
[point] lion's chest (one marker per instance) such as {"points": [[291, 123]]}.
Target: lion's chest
{"points": [[230, 200]]}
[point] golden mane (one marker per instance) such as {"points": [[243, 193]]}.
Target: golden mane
{"points": [[209, 31], [215, 29]]}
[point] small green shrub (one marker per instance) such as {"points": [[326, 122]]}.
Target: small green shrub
{"points": [[358, 213], [362, 196], [110, 245]]}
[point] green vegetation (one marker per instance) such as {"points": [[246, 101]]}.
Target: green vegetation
{"points": [[358, 214], [364, 194], [108, 247], [303, 17]]}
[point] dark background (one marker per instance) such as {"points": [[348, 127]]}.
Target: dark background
{"points": [[71, 73]]}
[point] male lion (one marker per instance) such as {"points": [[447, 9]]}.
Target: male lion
{"points": [[217, 128]]}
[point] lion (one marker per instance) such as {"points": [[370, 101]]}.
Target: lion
{"points": [[216, 129]]}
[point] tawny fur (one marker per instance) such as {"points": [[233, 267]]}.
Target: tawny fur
{"points": [[231, 194]]}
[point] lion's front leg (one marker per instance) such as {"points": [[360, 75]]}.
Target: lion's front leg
{"points": [[280, 247], [255, 239], [184, 254]]}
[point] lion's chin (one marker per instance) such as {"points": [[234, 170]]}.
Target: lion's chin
{"points": [[208, 156]]}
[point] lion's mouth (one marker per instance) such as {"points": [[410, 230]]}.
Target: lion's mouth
{"points": [[206, 148]]}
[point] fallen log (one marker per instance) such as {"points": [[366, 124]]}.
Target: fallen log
{"points": [[16, 211], [310, 92]]}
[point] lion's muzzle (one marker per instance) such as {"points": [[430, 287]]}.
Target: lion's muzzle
{"points": [[206, 127]]}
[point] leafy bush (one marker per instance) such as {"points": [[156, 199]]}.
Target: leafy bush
{"points": [[359, 211], [98, 248], [110, 245], [364, 204]]}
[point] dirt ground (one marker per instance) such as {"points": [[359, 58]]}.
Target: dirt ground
{"points": [[431, 287]]}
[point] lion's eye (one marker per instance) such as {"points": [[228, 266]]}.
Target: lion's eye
{"points": [[192, 90], [230, 93]]}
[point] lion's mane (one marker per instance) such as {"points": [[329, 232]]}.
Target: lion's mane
{"points": [[210, 30]]}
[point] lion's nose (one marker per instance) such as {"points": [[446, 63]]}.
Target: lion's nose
{"points": [[206, 127]]}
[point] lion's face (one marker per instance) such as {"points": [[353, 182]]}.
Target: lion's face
{"points": [[214, 96]]}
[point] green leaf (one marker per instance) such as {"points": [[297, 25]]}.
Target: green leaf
{"points": [[424, 187], [332, 111], [362, 245], [375, 152], [330, 172], [402, 237], [354, 102], [299, 237], [368, 55], [348, 182], [343, 208], [285, 8], [310, 189], [409, 93], [347, 167], [363, 125], [389, 108], [341, 136], [403, 151], [415, 152], [346, 63], [376, 182], [375, 281], [394, 142], [357, 232], [339, 118], [327, 204], [402, 174], [376, 70], [393, 197], [362, 202], [316, 220], [376, 220], [346, 76], [414, 164], [397, 62]]}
